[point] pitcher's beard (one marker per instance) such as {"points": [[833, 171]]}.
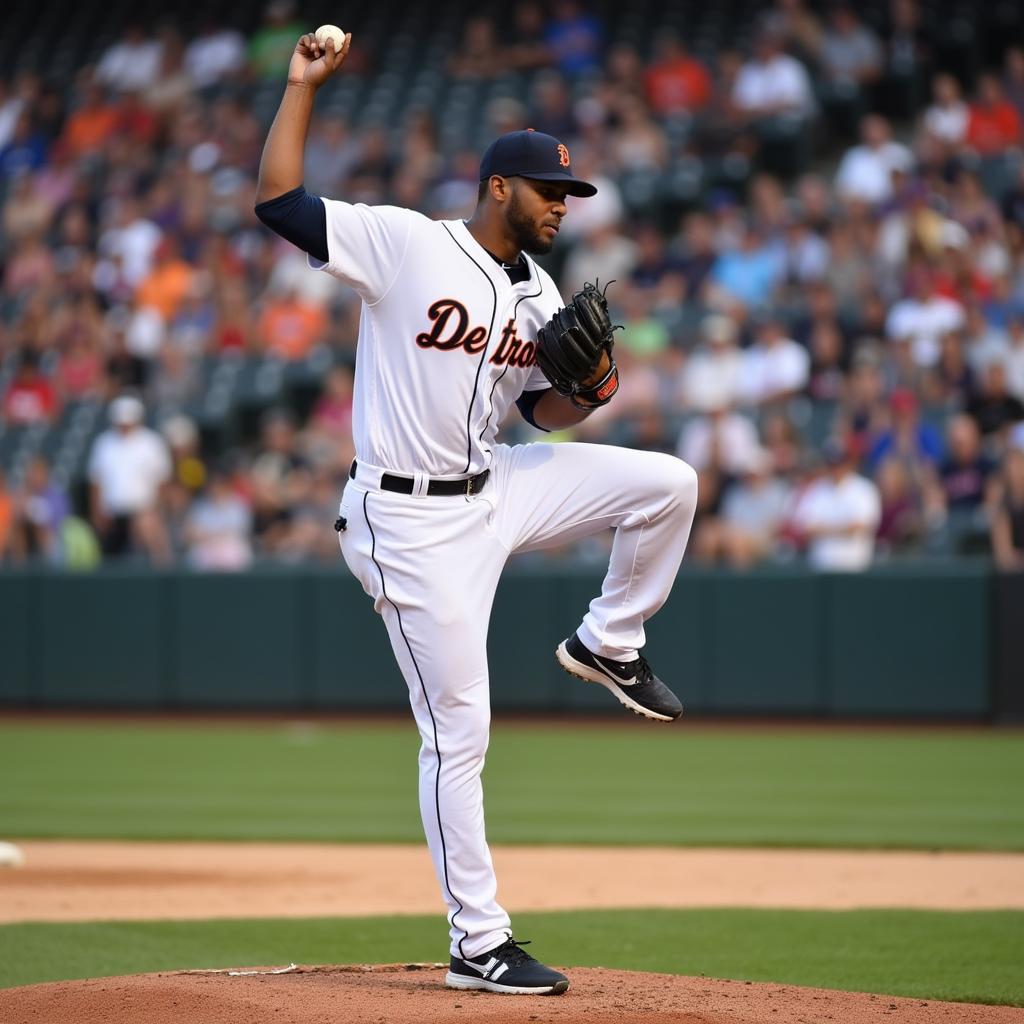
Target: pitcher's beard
{"points": [[527, 236]]}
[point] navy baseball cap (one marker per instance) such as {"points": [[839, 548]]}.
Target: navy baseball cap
{"points": [[530, 154]]}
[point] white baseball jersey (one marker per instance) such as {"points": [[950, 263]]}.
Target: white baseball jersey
{"points": [[446, 341], [446, 344]]}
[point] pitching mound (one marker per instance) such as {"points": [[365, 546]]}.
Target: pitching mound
{"points": [[414, 994]]}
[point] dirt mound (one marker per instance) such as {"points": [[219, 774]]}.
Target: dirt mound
{"points": [[398, 993]]}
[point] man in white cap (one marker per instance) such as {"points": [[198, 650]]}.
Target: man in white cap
{"points": [[128, 466]]}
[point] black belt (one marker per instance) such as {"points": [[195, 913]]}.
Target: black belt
{"points": [[404, 484]]}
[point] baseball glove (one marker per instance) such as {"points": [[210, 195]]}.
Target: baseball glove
{"points": [[570, 347]]}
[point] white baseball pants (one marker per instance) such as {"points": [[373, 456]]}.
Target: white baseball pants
{"points": [[431, 565]]}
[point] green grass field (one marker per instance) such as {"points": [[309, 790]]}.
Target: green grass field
{"points": [[973, 957], [689, 785], [686, 785]]}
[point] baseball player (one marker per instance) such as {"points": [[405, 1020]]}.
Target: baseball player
{"points": [[458, 322]]}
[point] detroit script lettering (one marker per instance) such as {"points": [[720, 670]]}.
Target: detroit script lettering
{"points": [[450, 330]]}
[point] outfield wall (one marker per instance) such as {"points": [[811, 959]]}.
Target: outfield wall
{"points": [[899, 641]]}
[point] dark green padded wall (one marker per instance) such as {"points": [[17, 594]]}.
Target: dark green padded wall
{"points": [[893, 642]]}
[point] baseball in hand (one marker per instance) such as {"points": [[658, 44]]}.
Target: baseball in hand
{"points": [[325, 32]]}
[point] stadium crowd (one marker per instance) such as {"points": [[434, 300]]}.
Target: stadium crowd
{"points": [[830, 329]]}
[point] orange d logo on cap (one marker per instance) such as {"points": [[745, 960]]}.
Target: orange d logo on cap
{"points": [[563, 155]]}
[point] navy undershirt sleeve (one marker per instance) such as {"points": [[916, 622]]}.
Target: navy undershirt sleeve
{"points": [[527, 402], [298, 218]]}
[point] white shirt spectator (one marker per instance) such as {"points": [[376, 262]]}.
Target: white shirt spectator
{"points": [[219, 529], [947, 123], [131, 65], [145, 333], [923, 322], [865, 172], [770, 371], [711, 379], [764, 86], [128, 469], [757, 509], [732, 435], [212, 56], [135, 243], [829, 504]]}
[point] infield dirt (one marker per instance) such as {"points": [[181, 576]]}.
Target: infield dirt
{"points": [[397, 994]]}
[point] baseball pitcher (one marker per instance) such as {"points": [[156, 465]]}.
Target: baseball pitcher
{"points": [[458, 322]]}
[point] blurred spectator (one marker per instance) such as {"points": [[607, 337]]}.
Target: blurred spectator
{"points": [[994, 124], [723, 440], [696, 253], [215, 54], [675, 82], [712, 377], [280, 483], [328, 440], [573, 38], [132, 240], [42, 509], [30, 397], [131, 64], [906, 438], [271, 48], [11, 106], [839, 514], [1014, 358], [638, 144], [1013, 79], [26, 151], [290, 326], [525, 47], [901, 521], [866, 171], [851, 63], [91, 123], [218, 528], [128, 466], [798, 27], [7, 510], [168, 283], [752, 514], [966, 471], [921, 319], [174, 84], [908, 48], [1008, 514], [773, 83], [552, 110], [331, 152], [946, 119], [951, 380], [829, 365], [746, 276], [774, 368], [479, 55], [992, 406], [605, 254]]}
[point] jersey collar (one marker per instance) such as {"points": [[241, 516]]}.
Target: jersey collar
{"points": [[486, 261]]}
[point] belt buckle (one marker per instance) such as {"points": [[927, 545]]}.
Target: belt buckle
{"points": [[470, 483]]}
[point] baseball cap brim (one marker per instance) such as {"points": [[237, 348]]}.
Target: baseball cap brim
{"points": [[573, 186]]}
